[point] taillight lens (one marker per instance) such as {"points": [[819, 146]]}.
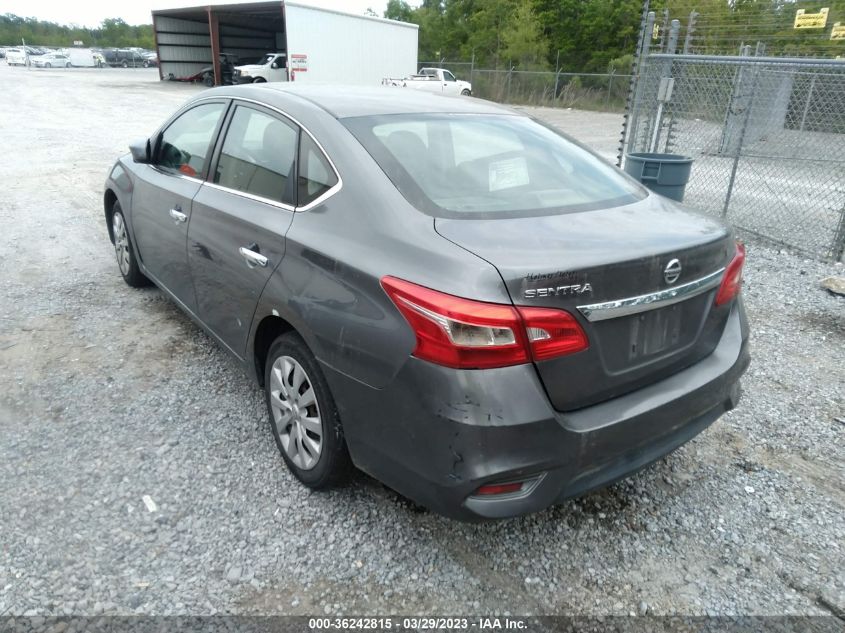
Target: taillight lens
{"points": [[552, 332], [467, 334], [732, 281]]}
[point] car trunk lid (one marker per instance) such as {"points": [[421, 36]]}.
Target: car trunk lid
{"points": [[609, 269]]}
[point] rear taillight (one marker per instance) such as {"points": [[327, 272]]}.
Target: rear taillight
{"points": [[467, 334], [732, 281]]}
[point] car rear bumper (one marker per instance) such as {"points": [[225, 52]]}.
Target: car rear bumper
{"points": [[436, 434]]}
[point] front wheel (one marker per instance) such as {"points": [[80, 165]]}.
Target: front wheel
{"points": [[208, 80], [125, 64], [47, 65], [259, 80], [303, 416], [465, 92], [126, 261], [68, 65]]}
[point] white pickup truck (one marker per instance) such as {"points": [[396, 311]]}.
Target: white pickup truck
{"points": [[432, 80], [271, 67]]}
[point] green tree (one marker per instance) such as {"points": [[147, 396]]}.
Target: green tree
{"points": [[524, 44]]}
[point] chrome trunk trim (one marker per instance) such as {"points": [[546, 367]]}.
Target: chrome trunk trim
{"points": [[634, 305]]}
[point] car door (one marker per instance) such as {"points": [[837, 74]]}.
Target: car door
{"points": [[450, 84], [163, 195], [241, 215]]}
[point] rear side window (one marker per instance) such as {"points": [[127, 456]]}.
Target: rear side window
{"points": [[316, 176], [185, 144], [258, 155]]}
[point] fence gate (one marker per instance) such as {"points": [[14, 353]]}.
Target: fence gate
{"points": [[767, 135]]}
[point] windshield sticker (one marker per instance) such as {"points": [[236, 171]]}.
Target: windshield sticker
{"points": [[506, 174]]}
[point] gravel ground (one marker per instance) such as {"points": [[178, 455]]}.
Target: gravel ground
{"points": [[139, 473]]}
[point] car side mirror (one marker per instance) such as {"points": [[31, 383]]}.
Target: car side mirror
{"points": [[140, 151]]}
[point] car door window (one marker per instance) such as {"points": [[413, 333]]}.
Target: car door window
{"points": [[316, 175], [447, 76], [257, 155], [184, 146]]}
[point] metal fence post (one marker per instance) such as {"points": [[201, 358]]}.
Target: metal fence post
{"points": [[665, 88], [748, 108], [557, 76], [807, 103], [837, 251]]}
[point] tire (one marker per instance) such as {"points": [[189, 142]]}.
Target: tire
{"points": [[68, 65], [465, 93], [47, 65], [146, 64], [125, 252], [259, 80], [125, 64], [208, 80], [319, 459]]}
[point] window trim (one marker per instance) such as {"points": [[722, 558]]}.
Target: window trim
{"points": [[212, 144], [330, 192], [218, 149], [230, 103]]}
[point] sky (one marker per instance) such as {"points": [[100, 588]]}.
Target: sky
{"points": [[90, 13]]}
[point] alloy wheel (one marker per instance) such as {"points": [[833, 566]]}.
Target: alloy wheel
{"points": [[293, 403], [121, 243]]}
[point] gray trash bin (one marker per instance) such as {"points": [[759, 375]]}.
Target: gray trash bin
{"points": [[666, 174]]}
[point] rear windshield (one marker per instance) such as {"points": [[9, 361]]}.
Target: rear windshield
{"points": [[458, 165]]}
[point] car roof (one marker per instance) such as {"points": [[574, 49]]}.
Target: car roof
{"points": [[352, 101]]}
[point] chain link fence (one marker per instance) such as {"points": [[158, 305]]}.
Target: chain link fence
{"points": [[767, 135], [586, 91]]}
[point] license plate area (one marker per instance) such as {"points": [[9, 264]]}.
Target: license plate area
{"points": [[638, 340], [654, 332]]}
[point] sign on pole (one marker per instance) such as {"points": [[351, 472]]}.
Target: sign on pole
{"points": [[804, 20], [838, 31]]}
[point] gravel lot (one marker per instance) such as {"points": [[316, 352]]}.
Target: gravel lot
{"points": [[111, 394]]}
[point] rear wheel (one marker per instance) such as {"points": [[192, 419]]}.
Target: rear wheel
{"points": [[125, 64], [208, 80], [303, 415], [124, 252], [47, 65], [68, 65], [259, 80]]}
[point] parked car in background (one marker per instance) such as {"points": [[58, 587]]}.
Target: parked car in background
{"points": [[2, 52], [51, 60], [123, 58], [433, 80], [150, 59], [459, 300], [16, 56], [271, 67]]}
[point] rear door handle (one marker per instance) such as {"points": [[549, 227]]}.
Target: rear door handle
{"points": [[252, 258], [176, 214]]}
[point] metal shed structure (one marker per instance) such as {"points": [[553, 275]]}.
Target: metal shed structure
{"points": [[322, 44]]}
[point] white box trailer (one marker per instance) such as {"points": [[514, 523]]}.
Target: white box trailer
{"points": [[82, 57], [320, 45]]}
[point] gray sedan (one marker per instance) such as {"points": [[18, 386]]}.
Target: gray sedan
{"points": [[448, 295]]}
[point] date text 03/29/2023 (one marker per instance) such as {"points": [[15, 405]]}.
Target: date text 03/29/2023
{"points": [[416, 624]]}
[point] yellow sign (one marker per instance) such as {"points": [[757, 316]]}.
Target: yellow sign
{"points": [[811, 20], [655, 32], [838, 32]]}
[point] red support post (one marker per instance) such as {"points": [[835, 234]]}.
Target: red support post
{"points": [[214, 34]]}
